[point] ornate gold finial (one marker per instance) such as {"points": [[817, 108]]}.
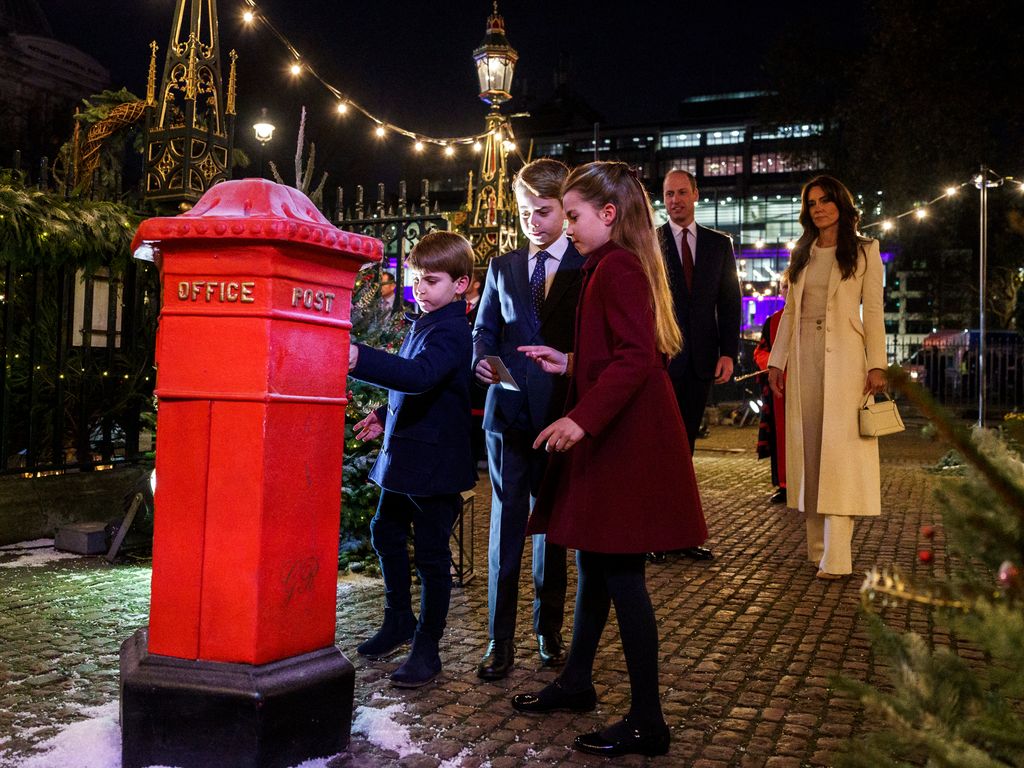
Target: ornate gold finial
{"points": [[192, 74], [469, 193], [151, 82], [230, 109]]}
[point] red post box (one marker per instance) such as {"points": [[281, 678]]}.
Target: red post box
{"points": [[252, 357]]}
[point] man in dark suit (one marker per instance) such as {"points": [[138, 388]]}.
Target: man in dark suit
{"points": [[706, 290], [529, 298], [391, 299]]}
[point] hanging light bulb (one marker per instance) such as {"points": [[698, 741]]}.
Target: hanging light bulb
{"points": [[921, 213], [449, 150], [379, 131], [418, 146], [477, 146], [248, 17], [342, 107], [887, 225], [950, 191], [296, 69]]}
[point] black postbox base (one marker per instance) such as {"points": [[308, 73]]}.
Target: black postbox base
{"points": [[196, 714]]}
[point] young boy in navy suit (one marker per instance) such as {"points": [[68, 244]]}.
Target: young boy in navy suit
{"points": [[426, 459]]}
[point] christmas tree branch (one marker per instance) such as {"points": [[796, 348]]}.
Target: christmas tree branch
{"points": [[960, 439]]}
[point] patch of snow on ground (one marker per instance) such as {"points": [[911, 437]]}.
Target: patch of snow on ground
{"points": [[91, 743], [32, 554], [381, 730], [457, 761]]}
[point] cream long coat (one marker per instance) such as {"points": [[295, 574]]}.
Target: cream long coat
{"points": [[849, 482]]}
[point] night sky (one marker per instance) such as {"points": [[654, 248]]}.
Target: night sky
{"points": [[411, 63]]}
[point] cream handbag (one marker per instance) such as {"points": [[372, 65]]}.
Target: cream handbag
{"points": [[877, 419]]}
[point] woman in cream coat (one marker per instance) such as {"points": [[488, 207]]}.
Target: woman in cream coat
{"points": [[832, 340]]}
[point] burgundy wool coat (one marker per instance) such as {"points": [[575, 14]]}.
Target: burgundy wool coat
{"points": [[628, 486]]}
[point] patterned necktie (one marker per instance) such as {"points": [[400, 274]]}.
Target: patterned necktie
{"points": [[686, 256], [537, 281]]}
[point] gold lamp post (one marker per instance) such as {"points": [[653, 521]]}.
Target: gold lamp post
{"points": [[492, 208]]}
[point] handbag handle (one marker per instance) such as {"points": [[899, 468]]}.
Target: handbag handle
{"points": [[870, 396]]}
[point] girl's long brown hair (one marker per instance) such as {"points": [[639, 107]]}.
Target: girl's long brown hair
{"points": [[602, 182]]}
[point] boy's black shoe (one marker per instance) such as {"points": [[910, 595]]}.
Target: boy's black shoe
{"points": [[498, 661], [779, 497], [397, 630], [422, 666], [551, 649], [695, 553], [624, 739]]}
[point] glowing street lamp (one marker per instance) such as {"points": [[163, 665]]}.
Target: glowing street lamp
{"points": [[264, 132], [495, 62]]}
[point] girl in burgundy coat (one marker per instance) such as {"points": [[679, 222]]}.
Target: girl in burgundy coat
{"points": [[620, 482]]}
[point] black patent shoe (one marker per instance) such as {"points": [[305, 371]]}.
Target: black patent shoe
{"points": [[779, 497], [498, 661], [554, 698], [656, 557], [623, 739], [696, 553], [551, 650]]}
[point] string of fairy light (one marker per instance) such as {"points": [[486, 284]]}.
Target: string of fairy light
{"points": [[344, 103], [922, 210]]}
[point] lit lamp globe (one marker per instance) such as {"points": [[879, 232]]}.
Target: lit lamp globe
{"points": [[264, 131], [495, 62]]}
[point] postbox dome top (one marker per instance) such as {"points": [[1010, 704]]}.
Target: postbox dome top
{"points": [[261, 210]]}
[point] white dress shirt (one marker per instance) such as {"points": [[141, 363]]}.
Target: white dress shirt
{"points": [[691, 233], [555, 253]]}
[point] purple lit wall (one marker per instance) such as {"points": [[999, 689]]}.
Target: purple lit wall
{"points": [[756, 310]]}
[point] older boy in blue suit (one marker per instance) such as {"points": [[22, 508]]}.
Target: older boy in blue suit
{"points": [[529, 297], [426, 460]]}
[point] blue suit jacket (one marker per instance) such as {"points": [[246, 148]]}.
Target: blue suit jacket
{"points": [[505, 321], [709, 313], [427, 424]]}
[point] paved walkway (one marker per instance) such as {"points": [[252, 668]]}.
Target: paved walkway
{"points": [[749, 641]]}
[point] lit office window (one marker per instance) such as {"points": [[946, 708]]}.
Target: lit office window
{"points": [[587, 145], [688, 164], [723, 165], [677, 139], [800, 131], [725, 136], [550, 150], [784, 162]]}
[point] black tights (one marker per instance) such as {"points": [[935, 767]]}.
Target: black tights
{"points": [[605, 579]]}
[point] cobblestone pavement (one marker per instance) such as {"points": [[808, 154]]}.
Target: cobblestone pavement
{"points": [[749, 641]]}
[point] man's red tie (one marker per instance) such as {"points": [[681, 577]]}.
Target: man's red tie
{"points": [[686, 256]]}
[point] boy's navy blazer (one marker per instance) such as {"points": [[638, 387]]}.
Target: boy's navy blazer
{"points": [[505, 321], [427, 449]]}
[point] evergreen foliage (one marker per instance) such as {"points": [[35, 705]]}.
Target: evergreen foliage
{"points": [[945, 708], [41, 229]]}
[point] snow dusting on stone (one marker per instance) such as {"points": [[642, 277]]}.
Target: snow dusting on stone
{"points": [[32, 554], [380, 729]]}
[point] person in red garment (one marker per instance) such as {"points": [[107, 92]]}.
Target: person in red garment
{"points": [[620, 482], [771, 434]]}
